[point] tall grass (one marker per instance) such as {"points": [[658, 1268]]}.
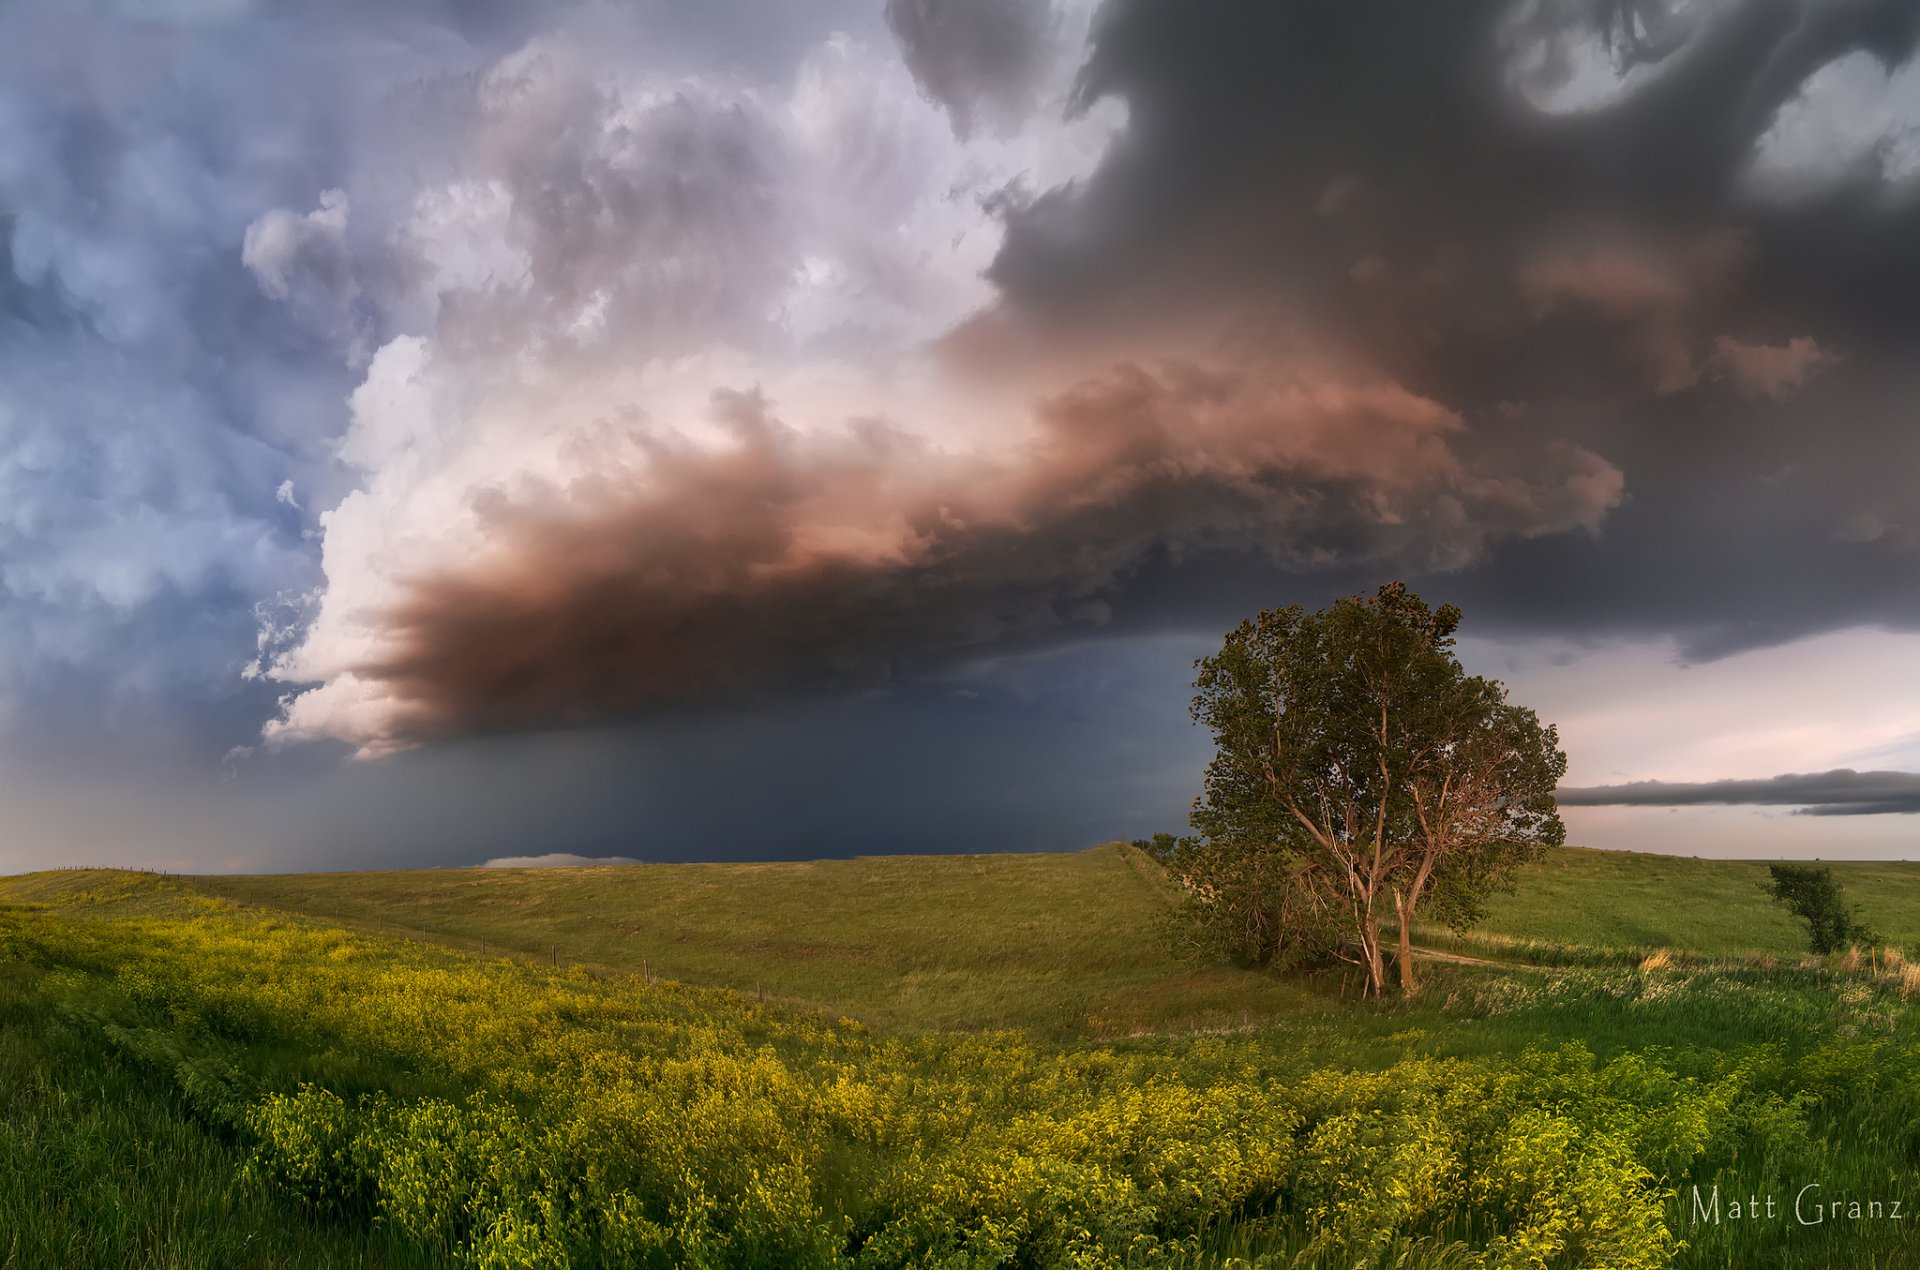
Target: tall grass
{"points": [[102, 1164], [315, 1095]]}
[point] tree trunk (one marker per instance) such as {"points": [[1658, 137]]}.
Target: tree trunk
{"points": [[1405, 909], [1376, 963]]}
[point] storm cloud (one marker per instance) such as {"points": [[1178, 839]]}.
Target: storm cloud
{"points": [[1571, 272], [1550, 210], [986, 61], [679, 428], [409, 376], [1842, 792], [671, 573]]}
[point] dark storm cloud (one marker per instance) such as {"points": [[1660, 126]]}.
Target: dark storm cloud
{"points": [[1842, 792], [1508, 228], [716, 578]]}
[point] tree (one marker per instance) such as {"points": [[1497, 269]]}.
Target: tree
{"points": [[1814, 897], [1357, 766], [1162, 846]]}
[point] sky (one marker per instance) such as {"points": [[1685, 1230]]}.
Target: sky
{"points": [[433, 433]]}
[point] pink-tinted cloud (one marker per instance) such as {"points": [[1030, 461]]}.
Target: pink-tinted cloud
{"points": [[1775, 371], [668, 571], [1651, 294]]}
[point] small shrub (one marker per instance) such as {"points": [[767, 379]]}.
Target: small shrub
{"points": [[1814, 897]]}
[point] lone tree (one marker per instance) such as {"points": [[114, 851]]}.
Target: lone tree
{"points": [[1359, 770], [1813, 896]]}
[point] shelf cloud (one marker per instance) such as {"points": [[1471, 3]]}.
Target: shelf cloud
{"points": [[678, 431], [1842, 792], [383, 378]]}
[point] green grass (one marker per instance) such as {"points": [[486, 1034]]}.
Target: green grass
{"points": [[1061, 944], [102, 1166], [125, 997], [1711, 908], [160, 1024]]}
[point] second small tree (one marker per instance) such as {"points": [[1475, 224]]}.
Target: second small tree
{"points": [[1360, 774], [1813, 896]]}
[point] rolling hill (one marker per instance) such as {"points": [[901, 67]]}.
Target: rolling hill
{"points": [[1064, 943]]}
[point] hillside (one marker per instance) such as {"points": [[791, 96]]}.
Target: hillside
{"points": [[192, 1080], [1715, 908], [1060, 943]]}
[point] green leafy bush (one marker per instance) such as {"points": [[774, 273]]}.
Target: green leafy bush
{"points": [[1812, 895]]}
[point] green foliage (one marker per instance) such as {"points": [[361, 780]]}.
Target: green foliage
{"points": [[1164, 847], [486, 1112], [1358, 771], [103, 1164], [1244, 904], [1812, 895]]}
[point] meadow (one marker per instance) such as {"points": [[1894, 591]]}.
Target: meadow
{"points": [[1056, 944], [959, 1061], [1061, 945], [1633, 901]]}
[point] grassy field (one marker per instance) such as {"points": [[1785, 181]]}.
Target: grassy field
{"points": [[1062, 944], [1712, 908], [101, 1164], [388, 1070]]}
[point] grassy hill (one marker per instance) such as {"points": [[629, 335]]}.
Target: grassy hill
{"points": [[332, 1070], [1715, 908], [1061, 943]]}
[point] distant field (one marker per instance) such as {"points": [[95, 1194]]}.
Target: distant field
{"points": [[1629, 899], [1064, 944]]}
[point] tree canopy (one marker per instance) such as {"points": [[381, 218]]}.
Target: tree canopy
{"points": [[1814, 897], [1358, 770]]}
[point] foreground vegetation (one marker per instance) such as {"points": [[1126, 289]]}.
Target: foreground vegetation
{"points": [[101, 1164], [263, 1088]]}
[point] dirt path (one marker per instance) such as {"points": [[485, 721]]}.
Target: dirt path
{"points": [[1461, 959]]}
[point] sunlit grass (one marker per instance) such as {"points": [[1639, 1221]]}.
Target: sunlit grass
{"points": [[207, 1084], [102, 1166], [1623, 900], [1061, 944]]}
